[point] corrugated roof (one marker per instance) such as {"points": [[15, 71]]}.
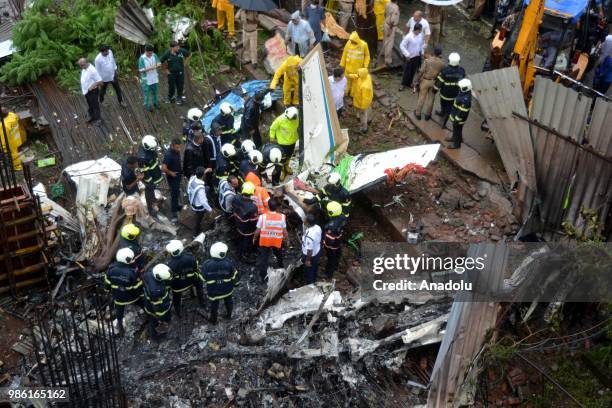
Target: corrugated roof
{"points": [[466, 328], [499, 94]]}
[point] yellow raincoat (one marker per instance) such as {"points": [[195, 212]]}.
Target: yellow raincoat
{"points": [[379, 12], [355, 55], [16, 137], [284, 131], [225, 10], [289, 71], [363, 91]]}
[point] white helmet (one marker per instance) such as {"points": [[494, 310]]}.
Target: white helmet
{"points": [[247, 146], [125, 255], [256, 157], [174, 247], [194, 114], [161, 272], [276, 155], [149, 142], [226, 108], [218, 250], [465, 85], [334, 178], [228, 150], [291, 112], [454, 59]]}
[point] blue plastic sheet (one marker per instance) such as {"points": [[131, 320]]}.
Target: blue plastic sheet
{"points": [[566, 8], [252, 87]]}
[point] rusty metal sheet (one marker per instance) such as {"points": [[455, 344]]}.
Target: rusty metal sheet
{"points": [[499, 94]]}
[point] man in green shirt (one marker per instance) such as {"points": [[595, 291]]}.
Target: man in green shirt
{"points": [[174, 60]]}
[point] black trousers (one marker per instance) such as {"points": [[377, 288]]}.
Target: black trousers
{"points": [[333, 260], [310, 272], [120, 310], [93, 104], [253, 134], [197, 228], [176, 81], [150, 197], [287, 151], [411, 67], [175, 193], [116, 87], [445, 108], [276, 173], [214, 308], [177, 297], [457, 134], [264, 257], [245, 244]]}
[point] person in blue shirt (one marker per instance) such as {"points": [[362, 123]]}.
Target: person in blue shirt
{"points": [[315, 14], [603, 76]]}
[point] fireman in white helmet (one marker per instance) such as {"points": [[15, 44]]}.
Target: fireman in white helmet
{"points": [[253, 163], [148, 162], [192, 123], [333, 191], [185, 274], [249, 124], [124, 283], [225, 119], [272, 158], [221, 277], [284, 132], [157, 299], [228, 163], [460, 112], [447, 82]]}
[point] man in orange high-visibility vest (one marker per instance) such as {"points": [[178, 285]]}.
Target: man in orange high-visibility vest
{"points": [[261, 197], [271, 230]]}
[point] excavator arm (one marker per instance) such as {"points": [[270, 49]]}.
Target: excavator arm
{"points": [[527, 42]]}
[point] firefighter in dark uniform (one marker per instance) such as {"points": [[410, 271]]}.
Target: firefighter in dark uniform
{"points": [[227, 163], [185, 274], [128, 238], [157, 299], [333, 232], [221, 276], [149, 165], [273, 157], [251, 164], [245, 217], [333, 191], [447, 83], [124, 283], [460, 112], [194, 115], [225, 119], [246, 147], [249, 125]]}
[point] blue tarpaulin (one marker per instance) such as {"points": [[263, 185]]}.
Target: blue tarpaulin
{"points": [[565, 8]]}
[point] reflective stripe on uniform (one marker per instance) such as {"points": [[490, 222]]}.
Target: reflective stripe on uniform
{"points": [[128, 303]]}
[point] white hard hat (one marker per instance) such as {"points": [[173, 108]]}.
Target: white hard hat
{"points": [[149, 142], [334, 178], [256, 157], [161, 272], [218, 250], [276, 155], [194, 114], [465, 85], [125, 255], [247, 146], [228, 150], [226, 108], [454, 59], [174, 247], [291, 112]]}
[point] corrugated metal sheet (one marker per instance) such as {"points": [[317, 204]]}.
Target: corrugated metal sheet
{"points": [[466, 329], [132, 23], [499, 95], [569, 178]]}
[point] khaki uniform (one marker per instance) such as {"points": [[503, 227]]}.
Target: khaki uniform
{"points": [[392, 15], [346, 9], [426, 78], [248, 21], [434, 17]]}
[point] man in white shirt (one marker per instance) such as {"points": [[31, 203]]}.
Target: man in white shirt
{"points": [[196, 191], [311, 248], [300, 37], [337, 83], [90, 84], [417, 18], [411, 48], [107, 68]]}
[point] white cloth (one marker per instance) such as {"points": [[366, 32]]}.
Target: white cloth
{"points": [[312, 240], [106, 66], [89, 76], [337, 89], [412, 45], [196, 191], [424, 24], [151, 76], [301, 33]]}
